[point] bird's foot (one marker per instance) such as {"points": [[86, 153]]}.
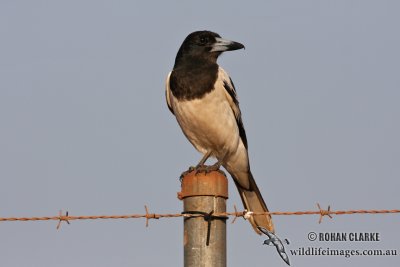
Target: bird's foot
{"points": [[202, 169], [207, 169], [183, 174]]}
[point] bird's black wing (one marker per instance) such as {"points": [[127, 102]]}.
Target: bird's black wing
{"points": [[230, 89]]}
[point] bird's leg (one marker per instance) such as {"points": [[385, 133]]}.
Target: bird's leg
{"points": [[207, 169], [203, 160], [214, 167], [199, 167]]}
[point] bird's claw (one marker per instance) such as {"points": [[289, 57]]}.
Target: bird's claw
{"points": [[202, 169], [207, 169], [183, 174]]}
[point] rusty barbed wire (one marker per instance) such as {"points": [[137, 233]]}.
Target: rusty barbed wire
{"points": [[236, 214]]}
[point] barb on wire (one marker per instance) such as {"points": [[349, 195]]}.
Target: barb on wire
{"points": [[237, 214], [62, 218], [324, 212], [150, 216]]}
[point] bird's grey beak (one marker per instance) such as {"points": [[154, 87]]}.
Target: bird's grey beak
{"points": [[222, 45]]}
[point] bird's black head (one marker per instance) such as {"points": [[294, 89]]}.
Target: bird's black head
{"points": [[206, 45]]}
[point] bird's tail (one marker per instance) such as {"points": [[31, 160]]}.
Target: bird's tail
{"points": [[253, 201]]}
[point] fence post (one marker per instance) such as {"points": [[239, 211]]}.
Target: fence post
{"points": [[204, 238]]}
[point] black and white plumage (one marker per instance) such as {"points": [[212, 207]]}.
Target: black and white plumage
{"points": [[203, 99]]}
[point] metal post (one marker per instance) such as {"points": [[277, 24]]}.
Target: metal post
{"points": [[204, 237]]}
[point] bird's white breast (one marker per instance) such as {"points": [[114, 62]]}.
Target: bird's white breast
{"points": [[209, 122]]}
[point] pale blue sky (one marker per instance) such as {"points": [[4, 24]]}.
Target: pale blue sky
{"points": [[84, 126]]}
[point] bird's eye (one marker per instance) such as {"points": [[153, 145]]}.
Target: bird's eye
{"points": [[203, 40]]}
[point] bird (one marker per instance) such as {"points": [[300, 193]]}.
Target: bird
{"points": [[273, 240], [204, 101]]}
